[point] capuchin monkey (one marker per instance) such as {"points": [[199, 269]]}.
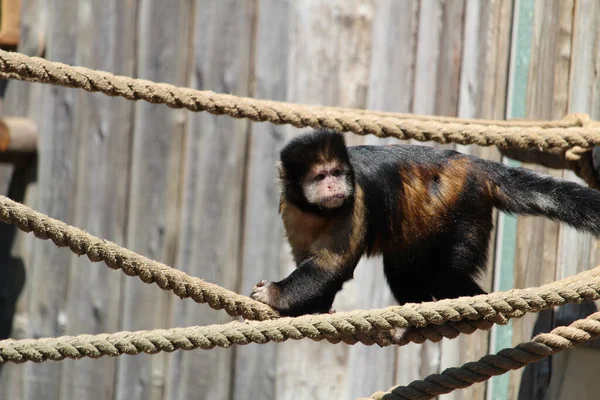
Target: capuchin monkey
{"points": [[427, 211]]}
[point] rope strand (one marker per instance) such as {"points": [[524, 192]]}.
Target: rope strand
{"points": [[132, 264], [543, 345], [493, 307], [573, 131]]}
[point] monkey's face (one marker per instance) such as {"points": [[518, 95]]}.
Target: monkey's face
{"points": [[327, 185]]}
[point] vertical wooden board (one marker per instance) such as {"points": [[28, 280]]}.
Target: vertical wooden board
{"points": [[501, 336], [390, 88], [19, 99], [152, 223], [105, 38], [537, 238], [450, 57], [255, 366], [330, 53], [436, 90], [393, 59], [12, 376], [484, 68], [212, 209], [57, 151], [578, 251], [438, 58], [417, 361], [23, 99], [427, 56]]}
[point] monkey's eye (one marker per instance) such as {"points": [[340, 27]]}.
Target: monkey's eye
{"points": [[336, 172], [319, 177]]}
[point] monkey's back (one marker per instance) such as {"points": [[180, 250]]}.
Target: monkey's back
{"points": [[421, 201]]}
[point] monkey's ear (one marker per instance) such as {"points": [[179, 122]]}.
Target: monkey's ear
{"points": [[280, 170], [280, 177]]}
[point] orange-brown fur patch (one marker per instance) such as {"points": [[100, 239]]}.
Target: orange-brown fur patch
{"points": [[493, 192], [424, 202], [333, 242]]}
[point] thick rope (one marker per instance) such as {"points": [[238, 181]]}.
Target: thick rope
{"points": [[576, 159], [493, 307], [130, 263], [543, 345], [542, 135], [351, 328], [581, 164]]}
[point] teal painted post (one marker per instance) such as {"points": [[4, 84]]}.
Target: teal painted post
{"points": [[501, 336]]}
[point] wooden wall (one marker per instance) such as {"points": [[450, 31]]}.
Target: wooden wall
{"points": [[198, 191]]}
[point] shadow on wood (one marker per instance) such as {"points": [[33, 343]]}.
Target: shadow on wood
{"points": [[537, 377], [12, 268]]}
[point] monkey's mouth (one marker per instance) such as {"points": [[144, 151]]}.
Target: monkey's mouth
{"points": [[333, 201]]}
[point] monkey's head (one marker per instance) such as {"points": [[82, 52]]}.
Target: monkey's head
{"points": [[315, 171]]}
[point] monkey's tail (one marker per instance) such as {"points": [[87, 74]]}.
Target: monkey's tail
{"points": [[522, 191]]}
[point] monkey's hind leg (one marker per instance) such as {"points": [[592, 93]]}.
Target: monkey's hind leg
{"points": [[451, 286], [406, 285], [458, 277]]}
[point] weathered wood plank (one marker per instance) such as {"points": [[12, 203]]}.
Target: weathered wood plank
{"points": [[214, 183], [255, 366], [501, 336], [546, 98], [57, 151], [105, 40], [390, 88], [577, 251], [16, 263], [162, 55], [436, 90], [330, 53], [23, 99], [484, 69]]}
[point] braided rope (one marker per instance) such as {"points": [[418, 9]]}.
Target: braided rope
{"points": [[543, 345], [543, 135], [494, 307], [350, 328], [130, 263]]}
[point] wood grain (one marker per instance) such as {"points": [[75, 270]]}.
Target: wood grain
{"points": [[161, 54], [215, 161], [23, 99], [263, 236], [483, 70], [390, 87], [198, 192], [537, 238], [329, 63], [47, 280], [577, 251], [438, 65], [104, 126]]}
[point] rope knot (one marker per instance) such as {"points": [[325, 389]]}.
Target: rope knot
{"points": [[578, 119]]}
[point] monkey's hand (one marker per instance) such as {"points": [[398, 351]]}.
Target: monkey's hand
{"points": [[268, 293], [309, 289]]}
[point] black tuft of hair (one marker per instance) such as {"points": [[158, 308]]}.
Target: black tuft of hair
{"points": [[311, 148]]}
